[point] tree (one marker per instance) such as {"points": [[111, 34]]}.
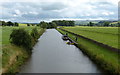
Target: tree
{"points": [[72, 23], [16, 24], [106, 23], [4, 23], [118, 24], [33, 24], [20, 37], [9, 23], [35, 34], [28, 24], [43, 24], [90, 24], [54, 25], [64, 23]]}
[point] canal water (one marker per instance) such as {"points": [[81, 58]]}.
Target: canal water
{"points": [[52, 55]]}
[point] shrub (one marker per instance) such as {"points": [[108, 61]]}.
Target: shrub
{"points": [[35, 34], [20, 37]]}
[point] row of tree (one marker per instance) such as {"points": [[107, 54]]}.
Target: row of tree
{"points": [[29, 24], [56, 23], [47, 25], [9, 23], [64, 23], [103, 23]]}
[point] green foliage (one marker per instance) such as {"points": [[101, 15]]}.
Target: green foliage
{"points": [[64, 23], [16, 24], [118, 24], [48, 25], [9, 23], [35, 34], [106, 23], [54, 25], [90, 24], [4, 23], [28, 24], [20, 37], [51, 25], [43, 24]]}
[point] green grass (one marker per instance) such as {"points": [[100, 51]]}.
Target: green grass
{"points": [[0, 34], [105, 35], [0, 48], [21, 24], [114, 23], [6, 31], [12, 58], [105, 58]]}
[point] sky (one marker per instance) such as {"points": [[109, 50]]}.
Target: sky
{"points": [[34, 11]]}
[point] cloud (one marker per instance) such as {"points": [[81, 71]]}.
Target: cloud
{"points": [[35, 10]]}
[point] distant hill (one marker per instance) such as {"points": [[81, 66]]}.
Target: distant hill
{"points": [[85, 22], [27, 23]]}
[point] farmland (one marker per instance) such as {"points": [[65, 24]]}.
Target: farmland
{"points": [[6, 31], [105, 35], [21, 24]]}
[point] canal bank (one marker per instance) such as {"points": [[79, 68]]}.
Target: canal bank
{"points": [[52, 55], [105, 58], [13, 57]]}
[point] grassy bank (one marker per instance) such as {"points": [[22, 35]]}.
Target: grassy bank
{"points": [[106, 59], [13, 56]]}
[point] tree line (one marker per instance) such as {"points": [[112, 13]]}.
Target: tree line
{"points": [[64, 22], [56, 23], [47, 25], [102, 23], [9, 23]]}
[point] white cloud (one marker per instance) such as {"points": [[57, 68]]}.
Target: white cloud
{"points": [[17, 12], [107, 13], [33, 12], [27, 10]]}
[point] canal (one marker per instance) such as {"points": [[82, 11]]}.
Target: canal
{"points": [[52, 55]]}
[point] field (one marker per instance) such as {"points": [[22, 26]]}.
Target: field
{"points": [[106, 59], [21, 24], [105, 35], [7, 30]]}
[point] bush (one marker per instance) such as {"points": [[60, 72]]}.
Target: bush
{"points": [[35, 34], [20, 37]]}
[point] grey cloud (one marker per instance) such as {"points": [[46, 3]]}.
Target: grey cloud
{"points": [[45, 10], [42, 15], [53, 6]]}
